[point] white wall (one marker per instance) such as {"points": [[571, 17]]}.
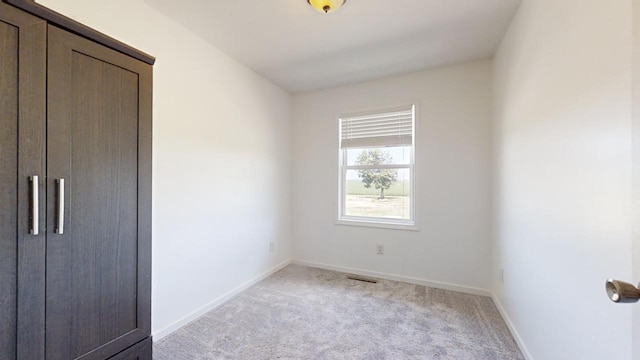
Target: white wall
{"points": [[221, 160], [453, 177], [636, 171], [562, 104]]}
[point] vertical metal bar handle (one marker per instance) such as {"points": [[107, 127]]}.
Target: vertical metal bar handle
{"points": [[60, 222], [35, 205]]}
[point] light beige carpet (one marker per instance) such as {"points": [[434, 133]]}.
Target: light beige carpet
{"points": [[307, 313]]}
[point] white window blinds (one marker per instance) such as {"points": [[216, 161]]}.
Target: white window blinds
{"points": [[391, 127]]}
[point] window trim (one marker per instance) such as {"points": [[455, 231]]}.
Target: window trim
{"points": [[378, 222]]}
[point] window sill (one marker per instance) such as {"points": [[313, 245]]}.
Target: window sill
{"points": [[378, 224]]}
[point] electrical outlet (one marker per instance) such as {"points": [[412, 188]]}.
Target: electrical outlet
{"points": [[272, 246], [380, 249], [502, 276]]}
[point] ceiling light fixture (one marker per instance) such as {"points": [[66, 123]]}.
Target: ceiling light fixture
{"points": [[326, 6]]}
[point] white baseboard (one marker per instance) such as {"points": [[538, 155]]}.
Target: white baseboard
{"points": [[512, 327], [407, 279], [217, 302]]}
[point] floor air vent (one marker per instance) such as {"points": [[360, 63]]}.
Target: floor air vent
{"points": [[362, 278]]}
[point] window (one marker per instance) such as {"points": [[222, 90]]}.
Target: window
{"points": [[377, 168]]}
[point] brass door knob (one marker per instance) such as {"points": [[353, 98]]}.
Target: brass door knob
{"points": [[622, 292]]}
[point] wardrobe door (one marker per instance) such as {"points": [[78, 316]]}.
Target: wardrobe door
{"points": [[140, 351], [99, 224], [22, 129]]}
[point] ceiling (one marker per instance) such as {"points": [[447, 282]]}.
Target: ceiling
{"points": [[299, 49]]}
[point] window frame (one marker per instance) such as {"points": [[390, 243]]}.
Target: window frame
{"points": [[377, 222]]}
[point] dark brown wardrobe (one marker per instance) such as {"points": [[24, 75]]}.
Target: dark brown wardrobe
{"points": [[75, 190]]}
